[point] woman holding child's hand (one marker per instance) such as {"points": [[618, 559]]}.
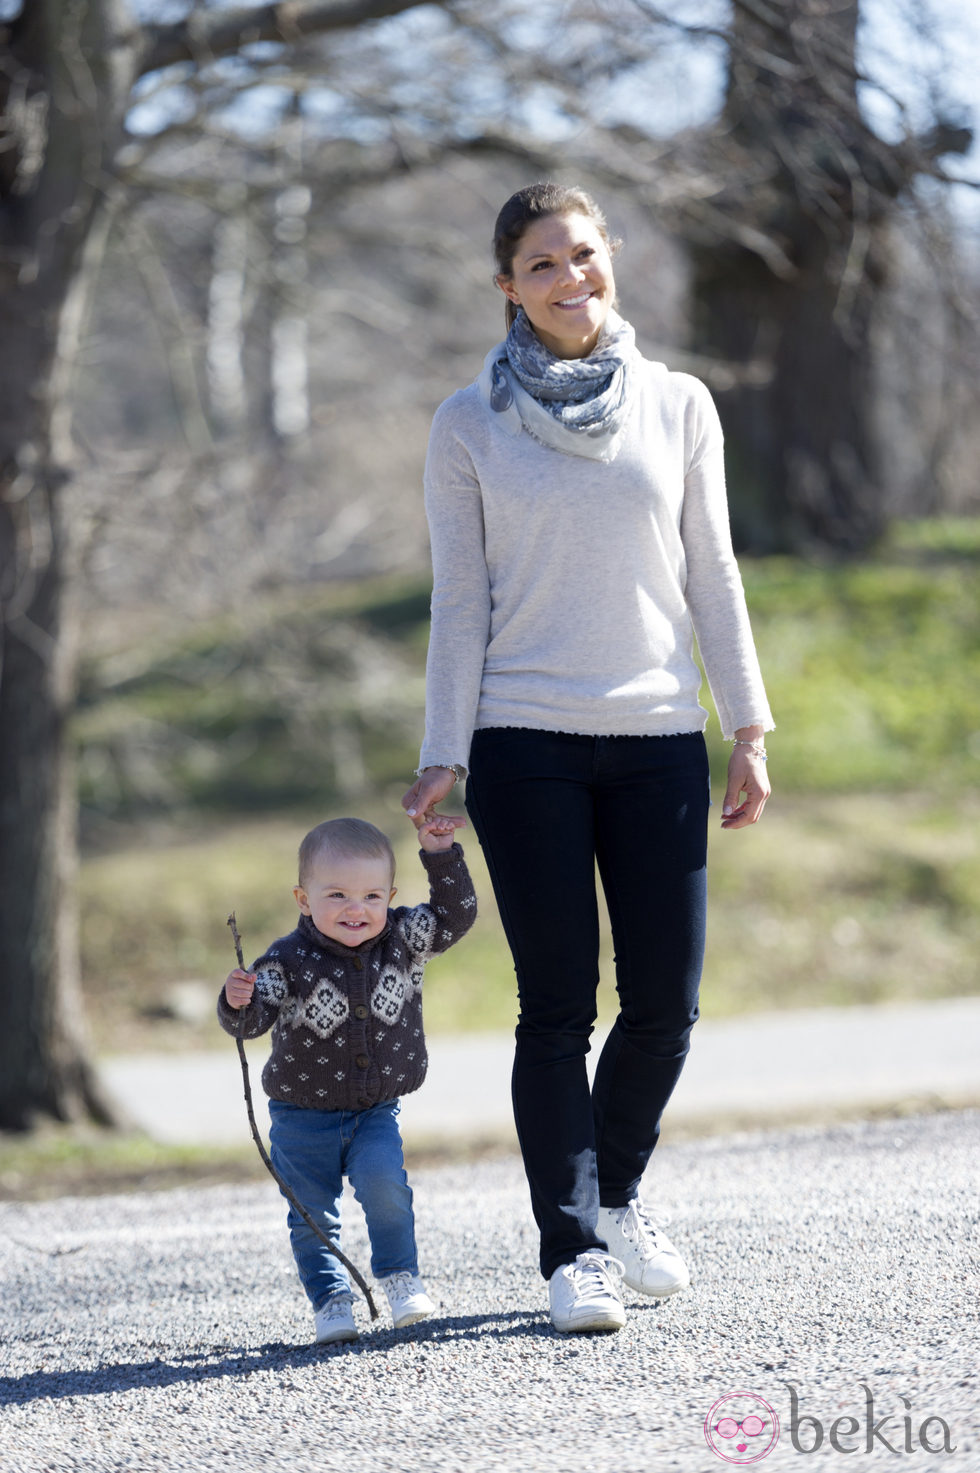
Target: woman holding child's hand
{"points": [[575, 495]]}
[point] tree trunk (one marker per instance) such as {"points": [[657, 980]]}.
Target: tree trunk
{"points": [[43, 1063], [799, 421], [67, 68], [68, 75], [799, 418]]}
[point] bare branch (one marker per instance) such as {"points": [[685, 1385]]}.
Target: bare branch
{"points": [[214, 33], [175, 332]]}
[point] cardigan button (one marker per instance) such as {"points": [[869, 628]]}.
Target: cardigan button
{"points": [[358, 964], [362, 1061], [360, 1011]]}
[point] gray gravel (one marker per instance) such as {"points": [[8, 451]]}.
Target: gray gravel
{"points": [[165, 1332]]}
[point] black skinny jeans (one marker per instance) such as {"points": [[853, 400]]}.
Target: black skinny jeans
{"points": [[546, 808]]}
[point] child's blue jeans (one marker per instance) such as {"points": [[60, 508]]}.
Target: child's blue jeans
{"points": [[313, 1150]]}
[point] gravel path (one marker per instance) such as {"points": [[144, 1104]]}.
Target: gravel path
{"points": [[165, 1333]]}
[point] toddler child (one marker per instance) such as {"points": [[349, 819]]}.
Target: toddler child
{"points": [[343, 997]]}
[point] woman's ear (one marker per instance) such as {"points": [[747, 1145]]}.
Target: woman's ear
{"points": [[506, 284]]}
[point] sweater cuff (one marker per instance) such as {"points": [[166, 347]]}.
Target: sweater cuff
{"points": [[441, 858], [227, 1015]]}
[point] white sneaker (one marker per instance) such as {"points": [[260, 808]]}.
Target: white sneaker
{"points": [[335, 1320], [584, 1295], [652, 1264], [407, 1297]]}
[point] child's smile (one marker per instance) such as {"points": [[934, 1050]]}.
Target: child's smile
{"points": [[347, 898]]}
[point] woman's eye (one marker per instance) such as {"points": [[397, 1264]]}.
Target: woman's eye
{"points": [[540, 265]]}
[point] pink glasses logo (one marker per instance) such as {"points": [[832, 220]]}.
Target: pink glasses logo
{"points": [[741, 1427]]}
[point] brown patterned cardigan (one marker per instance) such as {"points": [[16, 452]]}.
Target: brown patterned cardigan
{"points": [[347, 1020]]}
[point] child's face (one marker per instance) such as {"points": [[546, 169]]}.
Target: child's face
{"points": [[347, 898]]}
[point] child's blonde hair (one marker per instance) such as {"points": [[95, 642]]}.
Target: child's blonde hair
{"points": [[353, 838]]}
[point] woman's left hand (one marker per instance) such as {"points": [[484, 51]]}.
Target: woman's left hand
{"points": [[435, 784], [746, 775]]}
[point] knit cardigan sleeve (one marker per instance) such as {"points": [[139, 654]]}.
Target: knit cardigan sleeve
{"points": [[714, 592], [451, 909], [266, 1000]]}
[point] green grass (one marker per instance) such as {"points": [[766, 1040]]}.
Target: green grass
{"points": [[57, 1161], [303, 697], [314, 697], [873, 671], [828, 901], [206, 754]]}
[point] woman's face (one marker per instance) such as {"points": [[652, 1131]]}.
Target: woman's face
{"points": [[563, 278]]}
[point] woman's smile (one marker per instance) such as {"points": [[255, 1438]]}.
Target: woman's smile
{"points": [[563, 278], [579, 301]]}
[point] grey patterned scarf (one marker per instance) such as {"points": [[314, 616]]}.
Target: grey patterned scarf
{"points": [[576, 405]]}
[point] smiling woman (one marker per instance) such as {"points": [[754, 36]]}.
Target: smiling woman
{"points": [[562, 276], [576, 503]]}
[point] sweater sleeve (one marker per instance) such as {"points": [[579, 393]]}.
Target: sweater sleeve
{"points": [[460, 625], [263, 1010], [451, 909], [714, 592]]}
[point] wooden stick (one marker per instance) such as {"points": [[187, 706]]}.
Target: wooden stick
{"points": [[286, 1191]]}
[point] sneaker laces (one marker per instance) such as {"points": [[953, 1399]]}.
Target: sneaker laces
{"points": [[594, 1276], [400, 1284], [338, 1306], [639, 1228]]}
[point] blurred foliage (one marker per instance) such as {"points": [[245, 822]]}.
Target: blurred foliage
{"points": [[857, 899], [873, 668], [301, 697], [859, 885], [314, 696], [196, 880]]}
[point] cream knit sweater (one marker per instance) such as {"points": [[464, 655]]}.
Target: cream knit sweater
{"points": [[566, 590]]}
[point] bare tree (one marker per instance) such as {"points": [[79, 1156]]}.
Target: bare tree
{"points": [[797, 321], [67, 73], [786, 202]]}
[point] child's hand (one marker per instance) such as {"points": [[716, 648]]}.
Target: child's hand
{"points": [[438, 832], [239, 987]]}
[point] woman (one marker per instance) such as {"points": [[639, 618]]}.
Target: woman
{"points": [[576, 503]]}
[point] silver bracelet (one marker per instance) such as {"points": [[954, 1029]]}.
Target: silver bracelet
{"points": [[760, 752], [453, 767]]}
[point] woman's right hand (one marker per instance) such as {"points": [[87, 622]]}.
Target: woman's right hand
{"points": [[435, 784]]}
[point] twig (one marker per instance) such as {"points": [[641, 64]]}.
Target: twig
{"points": [[286, 1191]]}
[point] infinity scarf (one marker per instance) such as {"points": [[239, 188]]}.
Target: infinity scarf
{"points": [[576, 405]]}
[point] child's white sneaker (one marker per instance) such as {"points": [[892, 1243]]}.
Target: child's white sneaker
{"points": [[584, 1295], [652, 1263], [335, 1320], [407, 1297]]}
